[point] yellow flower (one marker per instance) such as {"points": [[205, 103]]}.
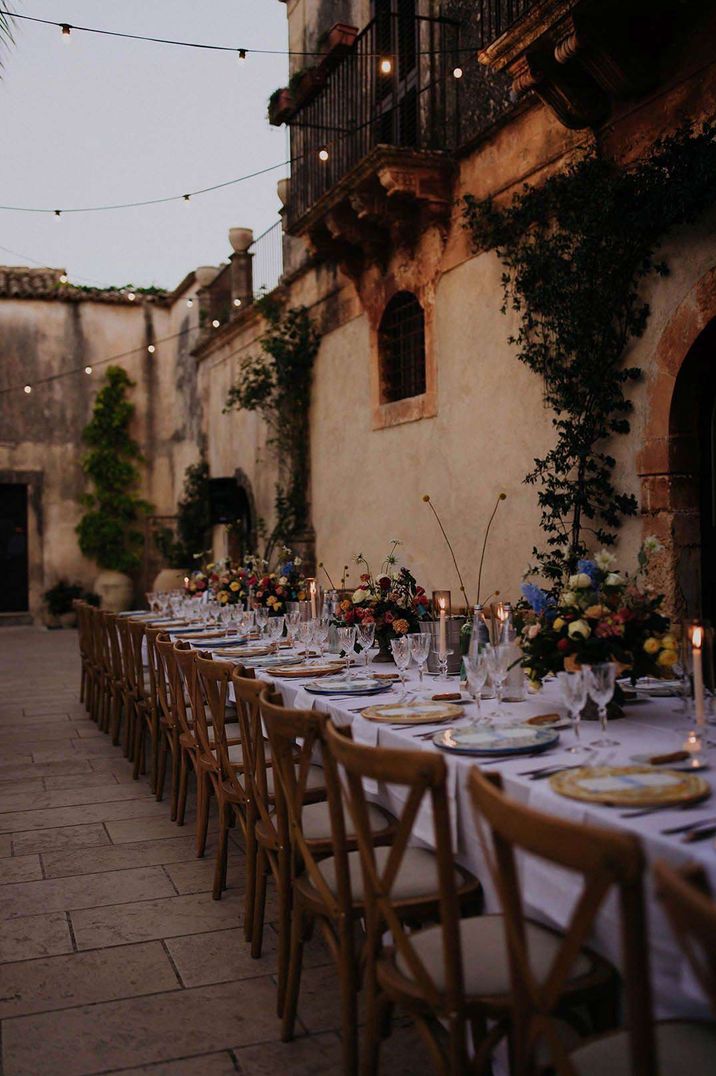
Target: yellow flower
{"points": [[594, 611], [301, 596], [223, 597], [271, 600], [669, 642], [652, 645], [579, 628], [234, 586], [558, 624], [667, 658]]}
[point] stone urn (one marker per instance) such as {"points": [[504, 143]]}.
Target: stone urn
{"points": [[241, 239], [115, 590], [205, 274], [170, 579]]}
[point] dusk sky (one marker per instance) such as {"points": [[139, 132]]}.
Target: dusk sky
{"points": [[91, 120]]}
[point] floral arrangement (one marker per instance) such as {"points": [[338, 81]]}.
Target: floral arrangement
{"points": [[275, 589], [601, 615], [392, 600], [196, 584], [252, 582]]}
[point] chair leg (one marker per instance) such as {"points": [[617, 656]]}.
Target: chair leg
{"points": [[294, 975], [138, 746], [203, 791], [176, 761], [251, 856], [115, 717], [221, 852], [183, 780], [284, 927], [155, 735], [161, 768], [348, 977]]}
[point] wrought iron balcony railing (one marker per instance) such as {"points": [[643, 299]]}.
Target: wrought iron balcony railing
{"points": [[495, 17], [395, 87]]}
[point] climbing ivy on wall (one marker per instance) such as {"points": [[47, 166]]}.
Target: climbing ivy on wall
{"points": [[575, 251], [276, 383], [107, 531]]}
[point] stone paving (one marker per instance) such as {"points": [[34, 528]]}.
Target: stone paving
{"points": [[113, 956]]}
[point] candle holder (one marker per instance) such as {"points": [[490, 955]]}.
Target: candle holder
{"points": [[445, 596], [443, 660]]}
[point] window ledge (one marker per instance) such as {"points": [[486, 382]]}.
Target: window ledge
{"points": [[411, 409]]}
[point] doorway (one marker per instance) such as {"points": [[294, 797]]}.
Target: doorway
{"points": [[14, 581]]}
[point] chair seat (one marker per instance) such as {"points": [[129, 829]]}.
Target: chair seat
{"points": [[417, 876], [233, 732], [680, 1044], [314, 780], [316, 821], [485, 962]]}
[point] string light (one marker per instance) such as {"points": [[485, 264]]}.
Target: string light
{"points": [[28, 389], [131, 296], [216, 323], [457, 72], [66, 30], [386, 66], [190, 302], [63, 278], [151, 349], [58, 212], [323, 154], [242, 54], [186, 197], [88, 370], [237, 302]]}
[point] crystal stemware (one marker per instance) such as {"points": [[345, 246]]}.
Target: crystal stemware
{"points": [[293, 619], [600, 685], [262, 618], [477, 669], [498, 664], [321, 627], [305, 632], [274, 629], [573, 686], [366, 636], [420, 644], [400, 647], [346, 643]]}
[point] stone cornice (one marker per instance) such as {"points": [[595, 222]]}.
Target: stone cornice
{"points": [[23, 282]]}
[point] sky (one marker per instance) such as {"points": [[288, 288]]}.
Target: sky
{"points": [[88, 120]]}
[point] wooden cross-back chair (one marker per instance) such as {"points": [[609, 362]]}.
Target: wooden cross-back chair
{"points": [[96, 666], [129, 669], [185, 698], [161, 716], [691, 910], [115, 658], [138, 694], [179, 734], [104, 670], [84, 640], [607, 861], [429, 971]]}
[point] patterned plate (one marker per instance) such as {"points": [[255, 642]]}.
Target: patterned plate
{"points": [[642, 786], [412, 713], [506, 740], [334, 685], [304, 670]]}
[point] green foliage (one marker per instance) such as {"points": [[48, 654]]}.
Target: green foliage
{"points": [[107, 532], [277, 384], [193, 520], [575, 251], [60, 597]]}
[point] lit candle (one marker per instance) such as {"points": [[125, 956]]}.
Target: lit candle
{"points": [[697, 641], [442, 642], [312, 591]]}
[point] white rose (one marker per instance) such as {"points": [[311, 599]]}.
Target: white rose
{"points": [[614, 579], [283, 580], [579, 581], [533, 631], [297, 560], [605, 560], [359, 596], [568, 598], [579, 627], [652, 545]]}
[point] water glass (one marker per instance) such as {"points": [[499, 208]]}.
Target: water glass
{"points": [[346, 643], [420, 644], [262, 617], [600, 685], [477, 669], [293, 619], [400, 647], [573, 686], [274, 628], [498, 664], [305, 633], [321, 627], [366, 636]]}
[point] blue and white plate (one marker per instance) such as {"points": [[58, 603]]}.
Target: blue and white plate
{"points": [[505, 740], [336, 685]]}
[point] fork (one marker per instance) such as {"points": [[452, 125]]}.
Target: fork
{"points": [[671, 831]]}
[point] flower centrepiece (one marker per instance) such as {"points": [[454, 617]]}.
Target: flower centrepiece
{"points": [[392, 600]]}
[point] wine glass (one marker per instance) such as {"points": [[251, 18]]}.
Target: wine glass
{"points": [[321, 627], [573, 686], [420, 644], [262, 618], [305, 632], [600, 685], [293, 619], [346, 643], [498, 664], [477, 669], [274, 629], [400, 647], [366, 636]]}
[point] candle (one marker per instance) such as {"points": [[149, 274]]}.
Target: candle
{"points": [[442, 643], [697, 640], [312, 591]]}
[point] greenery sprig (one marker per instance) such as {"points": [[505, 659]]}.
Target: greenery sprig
{"points": [[575, 251]]}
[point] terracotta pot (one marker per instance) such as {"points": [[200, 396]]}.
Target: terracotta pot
{"points": [[170, 579], [115, 590], [280, 108]]}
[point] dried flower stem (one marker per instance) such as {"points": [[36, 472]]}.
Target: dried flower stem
{"points": [[501, 497], [430, 505], [322, 565]]}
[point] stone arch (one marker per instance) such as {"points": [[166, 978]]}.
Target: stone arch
{"points": [[242, 538], [669, 461]]}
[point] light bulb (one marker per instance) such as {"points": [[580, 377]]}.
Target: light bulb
{"points": [[216, 323], [457, 72], [242, 54], [131, 296], [58, 212], [386, 66], [151, 349], [237, 302], [323, 154], [190, 302], [66, 30], [28, 389], [186, 197], [63, 278], [88, 370]]}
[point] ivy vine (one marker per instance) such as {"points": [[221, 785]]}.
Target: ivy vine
{"points": [[276, 383], [575, 251], [193, 521], [107, 532]]}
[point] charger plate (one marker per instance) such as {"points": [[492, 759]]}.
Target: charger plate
{"points": [[412, 713], [304, 670], [331, 685], [641, 786], [501, 740]]}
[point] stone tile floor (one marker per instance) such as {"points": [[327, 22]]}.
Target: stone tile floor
{"points": [[113, 956]]}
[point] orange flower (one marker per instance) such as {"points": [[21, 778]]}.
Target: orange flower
{"points": [[401, 627]]}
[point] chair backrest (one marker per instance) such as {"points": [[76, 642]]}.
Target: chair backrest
{"points": [[292, 762], [157, 672], [691, 909], [114, 649], [253, 781], [136, 630], [424, 774], [212, 694], [606, 860], [180, 696], [80, 607]]}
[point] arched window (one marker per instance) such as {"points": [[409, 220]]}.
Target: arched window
{"points": [[401, 347]]}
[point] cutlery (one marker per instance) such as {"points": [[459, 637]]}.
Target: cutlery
{"points": [[699, 834], [660, 807], [541, 769], [550, 770], [672, 830]]}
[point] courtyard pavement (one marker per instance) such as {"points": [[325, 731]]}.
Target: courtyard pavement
{"points": [[113, 956]]}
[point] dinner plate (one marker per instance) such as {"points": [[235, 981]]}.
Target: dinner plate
{"points": [[504, 740], [653, 686], [335, 685], [641, 786], [302, 669], [685, 765], [412, 713]]}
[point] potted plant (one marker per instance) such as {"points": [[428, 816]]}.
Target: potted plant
{"points": [[280, 106], [336, 42], [108, 532], [179, 551], [60, 599], [305, 84]]}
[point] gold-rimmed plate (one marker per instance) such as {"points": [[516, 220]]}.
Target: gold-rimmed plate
{"points": [[626, 786], [302, 670], [412, 713]]}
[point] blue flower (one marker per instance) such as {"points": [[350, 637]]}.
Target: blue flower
{"points": [[539, 599], [589, 568]]}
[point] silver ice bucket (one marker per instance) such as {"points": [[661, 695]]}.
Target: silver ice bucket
{"points": [[453, 625]]}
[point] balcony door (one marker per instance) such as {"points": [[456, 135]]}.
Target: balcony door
{"points": [[13, 548], [397, 37]]}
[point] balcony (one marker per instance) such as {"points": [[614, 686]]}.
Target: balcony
{"points": [[372, 142], [578, 56]]}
